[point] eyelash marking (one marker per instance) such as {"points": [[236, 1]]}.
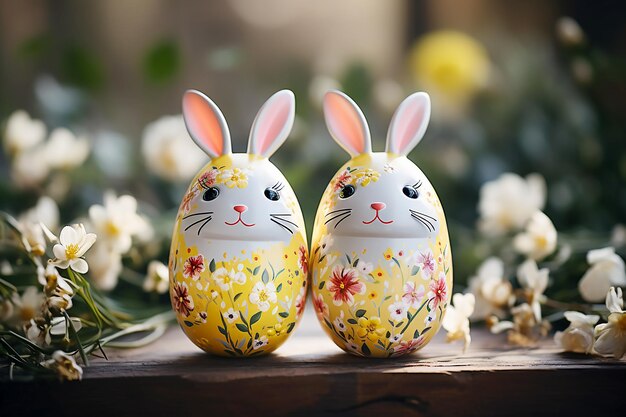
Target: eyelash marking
{"points": [[278, 186], [417, 185]]}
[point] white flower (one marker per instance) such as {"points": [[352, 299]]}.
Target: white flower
{"points": [[539, 239], [59, 326], [157, 278], [105, 266], [30, 168], [66, 367], [397, 310], [45, 211], [22, 132], [225, 278], [430, 317], [396, 338], [231, 315], [456, 319], [117, 221], [263, 295], [578, 337], [535, 282], [326, 242], [38, 335], [611, 336], [364, 267], [260, 342], [74, 241], [29, 305], [339, 324], [606, 271], [33, 233], [492, 291], [168, 150], [508, 202], [64, 150]]}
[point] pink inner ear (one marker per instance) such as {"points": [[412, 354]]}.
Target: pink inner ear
{"points": [[271, 122], [203, 122], [409, 120], [344, 122]]}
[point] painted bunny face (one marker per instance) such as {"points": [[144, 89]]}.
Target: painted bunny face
{"points": [[380, 194], [240, 196]]}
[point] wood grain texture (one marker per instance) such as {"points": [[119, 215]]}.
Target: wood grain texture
{"points": [[310, 376]]}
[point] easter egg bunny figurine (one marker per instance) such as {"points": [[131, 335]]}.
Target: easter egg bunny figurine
{"points": [[380, 260], [239, 259]]}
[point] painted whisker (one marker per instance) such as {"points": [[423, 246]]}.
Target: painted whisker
{"points": [[422, 214], [196, 222], [282, 225], [337, 224], [283, 220], [337, 211], [197, 214], [204, 224], [348, 213]]}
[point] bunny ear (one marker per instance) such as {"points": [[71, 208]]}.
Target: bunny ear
{"points": [[272, 124], [206, 124], [346, 123], [408, 124]]}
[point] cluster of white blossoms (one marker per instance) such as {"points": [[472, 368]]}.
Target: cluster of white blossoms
{"points": [[33, 157]]}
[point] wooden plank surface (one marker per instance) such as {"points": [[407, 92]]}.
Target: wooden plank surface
{"points": [[310, 376]]}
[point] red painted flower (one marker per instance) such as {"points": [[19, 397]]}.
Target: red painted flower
{"points": [[341, 180], [439, 290], [344, 283], [194, 265], [408, 346], [182, 301], [207, 179], [321, 309], [303, 259]]}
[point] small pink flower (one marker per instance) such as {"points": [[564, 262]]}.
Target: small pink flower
{"points": [[344, 283], [427, 264], [439, 290], [413, 296], [303, 259], [321, 309], [408, 346], [301, 300], [208, 179], [193, 266]]}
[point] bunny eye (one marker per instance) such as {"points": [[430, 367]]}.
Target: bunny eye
{"points": [[347, 191], [410, 192], [272, 194], [211, 194]]}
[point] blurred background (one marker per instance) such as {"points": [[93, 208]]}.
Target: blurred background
{"points": [[526, 87]]}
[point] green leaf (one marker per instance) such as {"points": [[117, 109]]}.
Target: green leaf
{"points": [[349, 260], [212, 265], [355, 262], [352, 321], [283, 314], [242, 327], [162, 62], [360, 313], [397, 263], [221, 330], [255, 317], [280, 287], [265, 277], [415, 270], [321, 285], [291, 326], [188, 323], [365, 350], [236, 297], [416, 334], [256, 270]]}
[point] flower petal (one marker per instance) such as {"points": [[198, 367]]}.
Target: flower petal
{"points": [[79, 265]]}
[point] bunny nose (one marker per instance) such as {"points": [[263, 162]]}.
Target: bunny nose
{"points": [[378, 206], [240, 208]]}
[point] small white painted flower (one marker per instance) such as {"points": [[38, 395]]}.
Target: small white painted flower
{"points": [[263, 295], [22, 132], [105, 266], [64, 150], [157, 278], [364, 267], [578, 337], [492, 291], [74, 241], [326, 242], [168, 151], [430, 317], [606, 271], [225, 278], [202, 316], [539, 239], [65, 366], [611, 336], [506, 204], [117, 221], [397, 310], [353, 347], [396, 338], [339, 323], [456, 320], [231, 315], [260, 342], [534, 281]]}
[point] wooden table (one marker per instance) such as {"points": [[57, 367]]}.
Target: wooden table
{"points": [[310, 376]]}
